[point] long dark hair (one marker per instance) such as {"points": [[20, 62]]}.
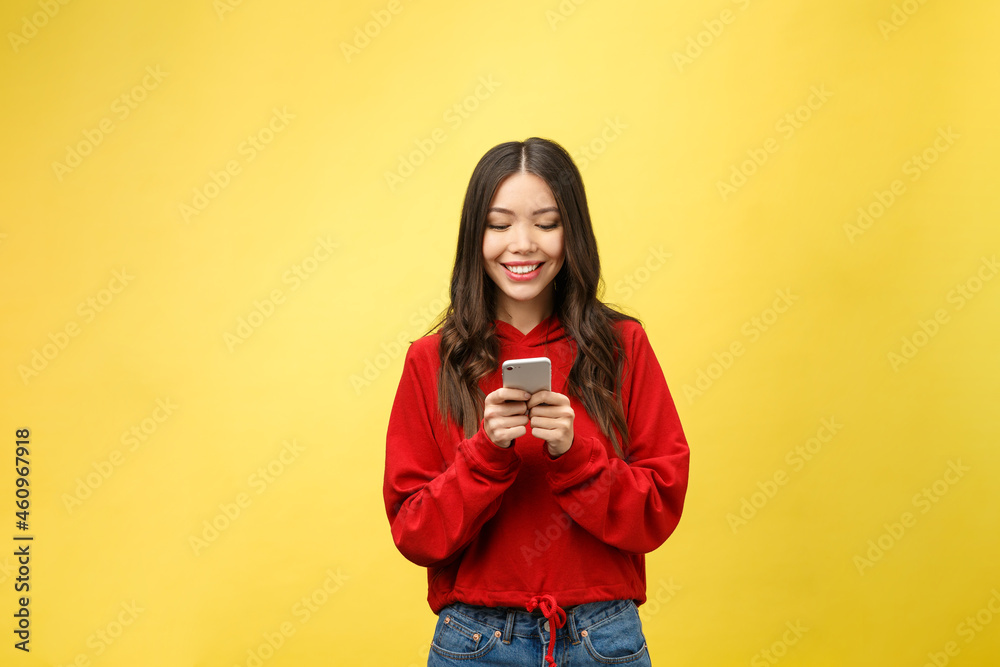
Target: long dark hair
{"points": [[469, 347]]}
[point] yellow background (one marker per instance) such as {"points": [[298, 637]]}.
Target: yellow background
{"points": [[654, 135]]}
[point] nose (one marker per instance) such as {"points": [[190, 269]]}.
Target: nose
{"points": [[522, 238]]}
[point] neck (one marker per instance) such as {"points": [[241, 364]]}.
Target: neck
{"points": [[525, 316]]}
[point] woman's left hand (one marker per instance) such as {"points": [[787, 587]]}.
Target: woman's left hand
{"points": [[551, 419]]}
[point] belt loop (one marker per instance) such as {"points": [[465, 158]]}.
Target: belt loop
{"points": [[571, 625], [508, 629]]}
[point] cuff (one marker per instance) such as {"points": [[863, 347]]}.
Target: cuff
{"points": [[576, 464], [489, 457]]}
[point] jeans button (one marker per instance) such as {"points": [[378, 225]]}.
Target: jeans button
{"points": [[546, 626]]}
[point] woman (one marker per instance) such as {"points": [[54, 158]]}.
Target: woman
{"points": [[532, 512]]}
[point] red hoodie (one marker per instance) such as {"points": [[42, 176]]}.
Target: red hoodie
{"points": [[497, 527]]}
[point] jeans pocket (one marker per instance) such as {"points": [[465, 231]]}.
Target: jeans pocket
{"points": [[617, 640], [462, 638]]}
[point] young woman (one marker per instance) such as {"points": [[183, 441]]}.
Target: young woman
{"points": [[532, 512]]}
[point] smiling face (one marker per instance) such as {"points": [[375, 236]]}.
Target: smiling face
{"points": [[523, 246]]}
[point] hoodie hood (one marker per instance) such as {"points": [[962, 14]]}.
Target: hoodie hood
{"points": [[545, 332]]}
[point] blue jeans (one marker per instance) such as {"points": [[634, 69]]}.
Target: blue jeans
{"points": [[597, 633]]}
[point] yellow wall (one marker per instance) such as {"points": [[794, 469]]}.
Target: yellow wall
{"points": [[222, 222]]}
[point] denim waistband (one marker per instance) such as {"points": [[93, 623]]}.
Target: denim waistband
{"points": [[509, 621]]}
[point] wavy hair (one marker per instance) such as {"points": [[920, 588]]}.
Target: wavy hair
{"points": [[469, 348]]}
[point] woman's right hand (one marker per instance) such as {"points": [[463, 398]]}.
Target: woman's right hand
{"points": [[505, 416]]}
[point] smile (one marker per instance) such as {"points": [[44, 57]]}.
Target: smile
{"points": [[523, 271]]}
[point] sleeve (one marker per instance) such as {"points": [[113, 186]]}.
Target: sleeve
{"points": [[633, 505], [437, 504]]}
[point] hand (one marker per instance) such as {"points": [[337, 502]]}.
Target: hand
{"points": [[505, 415], [552, 421]]}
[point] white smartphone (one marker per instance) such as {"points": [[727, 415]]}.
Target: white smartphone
{"points": [[531, 375]]}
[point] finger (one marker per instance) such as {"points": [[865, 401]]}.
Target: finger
{"points": [[504, 394], [544, 411], [507, 409], [509, 422], [538, 398], [514, 433], [506, 436], [554, 411], [548, 423], [546, 434], [548, 398]]}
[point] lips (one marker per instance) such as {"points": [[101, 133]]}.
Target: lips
{"points": [[522, 270]]}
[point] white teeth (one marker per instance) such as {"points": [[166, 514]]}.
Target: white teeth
{"points": [[522, 269]]}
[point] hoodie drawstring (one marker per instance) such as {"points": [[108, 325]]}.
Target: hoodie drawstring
{"points": [[555, 616]]}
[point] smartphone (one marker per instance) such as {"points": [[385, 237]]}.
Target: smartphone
{"points": [[531, 375]]}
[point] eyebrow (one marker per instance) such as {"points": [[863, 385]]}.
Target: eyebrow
{"points": [[549, 209]]}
